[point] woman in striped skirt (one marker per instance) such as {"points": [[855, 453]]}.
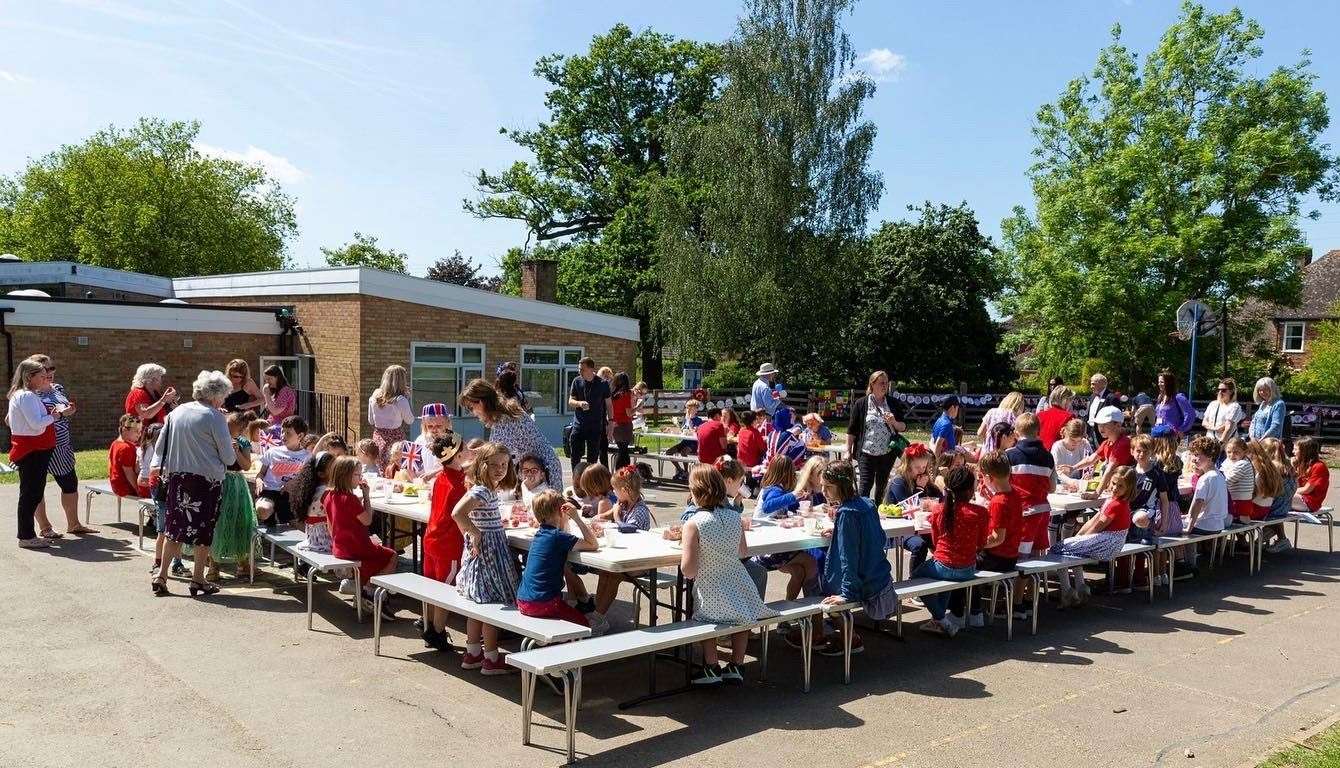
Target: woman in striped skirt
{"points": [[61, 465]]}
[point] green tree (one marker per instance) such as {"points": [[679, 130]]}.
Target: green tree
{"points": [[363, 251], [924, 280], [1177, 178], [1321, 375], [595, 161], [769, 191], [145, 199], [460, 270]]}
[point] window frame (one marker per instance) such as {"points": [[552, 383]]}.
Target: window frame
{"points": [[566, 371], [1301, 325], [459, 365]]}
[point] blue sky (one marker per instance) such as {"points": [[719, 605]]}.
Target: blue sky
{"points": [[376, 115]]}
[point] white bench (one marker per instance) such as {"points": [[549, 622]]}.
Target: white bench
{"points": [[681, 462], [292, 541], [1324, 516], [1036, 570], [923, 586], [535, 631], [146, 507], [568, 660], [1174, 542]]}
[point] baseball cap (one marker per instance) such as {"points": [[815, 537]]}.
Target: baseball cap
{"points": [[1109, 414]]}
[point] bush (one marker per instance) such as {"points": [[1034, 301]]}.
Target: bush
{"points": [[731, 374]]}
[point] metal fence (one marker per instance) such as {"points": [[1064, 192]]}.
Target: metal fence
{"points": [[325, 412]]}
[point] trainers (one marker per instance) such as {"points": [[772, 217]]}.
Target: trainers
{"points": [[731, 675], [347, 586], [707, 676], [834, 646], [178, 569], [586, 606], [472, 660], [951, 624], [793, 639], [1279, 545], [495, 666], [977, 620], [1021, 613]]}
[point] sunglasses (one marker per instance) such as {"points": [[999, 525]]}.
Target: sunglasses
{"points": [[1225, 389], [50, 370]]}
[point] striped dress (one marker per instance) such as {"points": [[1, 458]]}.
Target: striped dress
{"points": [[62, 459], [491, 576]]}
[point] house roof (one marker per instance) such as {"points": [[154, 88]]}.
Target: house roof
{"points": [[54, 272], [1321, 291], [136, 315]]}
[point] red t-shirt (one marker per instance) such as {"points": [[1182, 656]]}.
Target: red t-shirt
{"points": [[443, 542], [621, 404], [1117, 452], [1118, 514], [349, 537], [958, 548], [750, 447], [140, 396], [1006, 511], [1050, 421], [1319, 477], [711, 441], [122, 454]]}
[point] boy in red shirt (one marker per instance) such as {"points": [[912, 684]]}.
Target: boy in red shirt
{"points": [[711, 438], [122, 468], [1115, 450], [750, 447], [1005, 527]]}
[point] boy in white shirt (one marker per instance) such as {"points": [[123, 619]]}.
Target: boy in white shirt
{"points": [[278, 464], [1209, 511]]}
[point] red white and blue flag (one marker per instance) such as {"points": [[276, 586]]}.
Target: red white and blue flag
{"points": [[272, 437], [411, 455]]}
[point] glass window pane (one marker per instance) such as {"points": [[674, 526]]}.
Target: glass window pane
{"points": [[569, 375], [434, 354], [541, 385], [433, 385], [472, 355], [539, 357], [572, 356]]}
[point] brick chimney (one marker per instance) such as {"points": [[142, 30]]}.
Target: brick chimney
{"points": [[539, 279]]}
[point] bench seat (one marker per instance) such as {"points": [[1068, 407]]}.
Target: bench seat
{"points": [[923, 586], [145, 507], [292, 541]]}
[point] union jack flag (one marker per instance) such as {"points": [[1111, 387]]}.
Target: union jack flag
{"points": [[272, 437], [411, 455]]}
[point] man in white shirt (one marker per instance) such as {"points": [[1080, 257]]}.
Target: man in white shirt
{"points": [[1100, 398]]}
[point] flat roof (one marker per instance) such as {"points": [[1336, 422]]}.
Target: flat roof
{"points": [[135, 315], [42, 272]]}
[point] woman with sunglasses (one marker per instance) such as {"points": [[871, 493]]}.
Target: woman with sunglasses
{"points": [[1224, 414], [246, 395]]}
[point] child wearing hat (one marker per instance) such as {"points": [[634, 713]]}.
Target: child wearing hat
{"points": [[434, 423], [1115, 450]]}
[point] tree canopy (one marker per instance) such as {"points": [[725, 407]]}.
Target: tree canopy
{"points": [[1321, 375], [1179, 177], [145, 199], [363, 251], [460, 270]]}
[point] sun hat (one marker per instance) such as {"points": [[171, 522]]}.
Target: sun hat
{"points": [[1109, 414], [811, 416], [766, 369]]}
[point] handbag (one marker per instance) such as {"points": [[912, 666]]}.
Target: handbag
{"points": [[898, 444], [159, 491]]}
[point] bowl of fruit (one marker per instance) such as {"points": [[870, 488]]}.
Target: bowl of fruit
{"points": [[891, 510]]}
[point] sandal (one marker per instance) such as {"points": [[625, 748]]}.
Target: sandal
{"points": [[159, 586], [52, 534], [203, 588], [81, 530]]}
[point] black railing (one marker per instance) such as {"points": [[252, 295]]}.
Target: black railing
{"points": [[325, 412]]}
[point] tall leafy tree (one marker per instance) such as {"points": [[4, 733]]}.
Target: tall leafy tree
{"points": [[1179, 177], [596, 159], [769, 191], [1321, 375], [460, 270], [918, 303], [363, 251], [145, 199]]}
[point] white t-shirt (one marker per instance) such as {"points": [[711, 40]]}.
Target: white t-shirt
{"points": [[1213, 490], [393, 415], [278, 464], [430, 462], [1218, 414]]}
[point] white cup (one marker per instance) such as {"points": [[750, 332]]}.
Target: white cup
{"points": [[611, 536], [805, 506]]}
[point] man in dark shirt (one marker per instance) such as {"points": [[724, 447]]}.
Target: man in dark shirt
{"points": [[589, 400]]}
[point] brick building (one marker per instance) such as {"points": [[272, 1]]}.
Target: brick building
{"points": [[1296, 327], [347, 325]]}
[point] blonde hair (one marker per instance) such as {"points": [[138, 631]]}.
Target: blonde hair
{"points": [[238, 366], [1059, 395], [903, 466], [874, 377], [24, 371], [595, 480], [479, 473], [1026, 424], [1123, 483], [345, 474], [146, 372], [1013, 402], [1267, 383], [1143, 441], [812, 471], [366, 447], [1073, 428], [629, 481], [780, 471], [548, 507], [1275, 447], [605, 372], [395, 383], [707, 487], [1269, 482], [1165, 450]]}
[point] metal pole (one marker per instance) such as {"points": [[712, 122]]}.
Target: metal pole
{"points": [[1223, 338], [1195, 334]]}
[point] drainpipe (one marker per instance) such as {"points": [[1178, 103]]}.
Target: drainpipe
{"points": [[9, 343]]}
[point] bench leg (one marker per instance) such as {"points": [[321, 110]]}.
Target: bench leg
{"points": [[88, 508], [527, 702], [763, 653], [377, 597], [848, 629], [1037, 592], [358, 594], [806, 648], [1009, 609], [118, 509], [570, 715], [311, 574], [141, 528], [1150, 561], [1172, 567], [252, 553], [991, 607]]}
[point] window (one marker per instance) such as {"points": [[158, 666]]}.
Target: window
{"points": [[546, 376], [438, 372], [1293, 336]]}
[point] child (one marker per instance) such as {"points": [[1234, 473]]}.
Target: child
{"points": [[1282, 504], [688, 447], [434, 422], [1033, 475], [1005, 525], [1149, 510], [331, 443], [810, 478], [777, 501], [750, 447], [595, 492], [641, 400], [629, 511], [534, 479], [1101, 538], [366, 452], [256, 430], [1241, 478], [713, 546], [122, 469], [734, 475], [1071, 449], [816, 432], [143, 454], [236, 524], [1209, 511], [1268, 480], [1163, 448], [443, 543], [1314, 478], [1115, 450], [540, 593], [855, 570], [305, 494], [349, 517], [404, 461], [912, 477], [959, 529], [278, 465], [488, 571]]}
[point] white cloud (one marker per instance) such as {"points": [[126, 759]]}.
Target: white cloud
{"points": [[279, 168], [883, 64], [13, 77]]}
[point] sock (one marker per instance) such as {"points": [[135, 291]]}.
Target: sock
{"points": [[491, 655]]}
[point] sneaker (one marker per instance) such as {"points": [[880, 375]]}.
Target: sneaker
{"points": [[178, 569], [586, 606], [1279, 545], [388, 613], [472, 660], [834, 647], [731, 675], [951, 624], [37, 542], [933, 627], [977, 620], [599, 624], [347, 587], [439, 640], [495, 666], [793, 639], [707, 676], [1021, 613]]}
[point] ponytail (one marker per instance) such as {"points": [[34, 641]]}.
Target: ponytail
{"points": [[958, 490]]}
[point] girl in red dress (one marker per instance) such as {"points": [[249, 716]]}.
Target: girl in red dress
{"points": [[443, 542], [349, 516]]}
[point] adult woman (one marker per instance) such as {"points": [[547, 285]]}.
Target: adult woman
{"points": [[1268, 421], [144, 400], [1043, 402], [32, 434], [506, 381], [875, 419], [192, 456], [621, 418], [1224, 414], [62, 458], [1010, 407], [389, 410], [281, 401], [1052, 418], [1171, 407], [246, 396], [510, 426]]}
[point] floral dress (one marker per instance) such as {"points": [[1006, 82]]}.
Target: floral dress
{"points": [[522, 439], [723, 591], [491, 576]]}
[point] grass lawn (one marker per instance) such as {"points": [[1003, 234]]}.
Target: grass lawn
{"points": [[89, 465], [1322, 751]]}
